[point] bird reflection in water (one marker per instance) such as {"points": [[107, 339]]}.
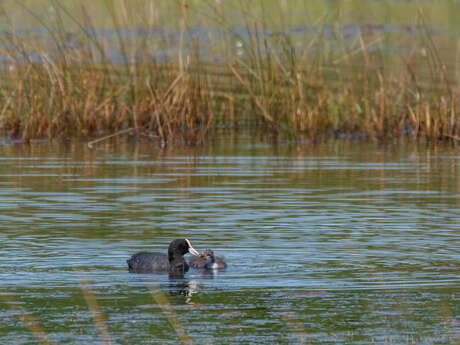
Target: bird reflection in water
{"points": [[187, 287]]}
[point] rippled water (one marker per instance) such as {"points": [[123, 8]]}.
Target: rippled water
{"points": [[342, 242]]}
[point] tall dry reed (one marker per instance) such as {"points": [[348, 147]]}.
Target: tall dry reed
{"points": [[73, 87]]}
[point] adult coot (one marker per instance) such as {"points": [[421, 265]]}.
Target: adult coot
{"points": [[174, 262], [208, 260]]}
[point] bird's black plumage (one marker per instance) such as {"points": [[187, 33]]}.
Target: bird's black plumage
{"points": [[174, 262]]}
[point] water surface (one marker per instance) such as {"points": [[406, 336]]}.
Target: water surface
{"points": [[343, 242]]}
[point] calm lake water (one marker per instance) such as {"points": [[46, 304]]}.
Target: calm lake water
{"points": [[343, 242]]}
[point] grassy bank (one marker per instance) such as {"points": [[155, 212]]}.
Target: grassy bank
{"points": [[176, 72]]}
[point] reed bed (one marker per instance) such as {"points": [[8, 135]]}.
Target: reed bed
{"points": [[70, 84]]}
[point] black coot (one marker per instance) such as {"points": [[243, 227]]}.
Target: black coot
{"points": [[208, 260], [174, 262]]}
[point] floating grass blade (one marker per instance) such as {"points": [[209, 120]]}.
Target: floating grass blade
{"points": [[294, 325], [96, 313], [91, 143], [169, 312], [29, 321]]}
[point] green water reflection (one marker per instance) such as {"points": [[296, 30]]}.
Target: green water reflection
{"points": [[343, 242]]}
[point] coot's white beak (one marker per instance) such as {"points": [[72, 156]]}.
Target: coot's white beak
{"points": [[191, 250]]}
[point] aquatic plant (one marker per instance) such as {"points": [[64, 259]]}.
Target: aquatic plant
{"points": [[156, 81]]}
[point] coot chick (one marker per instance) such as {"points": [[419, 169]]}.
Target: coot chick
{"points": [[174, 262], [208, 260]]}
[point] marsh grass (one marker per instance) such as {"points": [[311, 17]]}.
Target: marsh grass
{"points": [[72, 85], [315, 95]]}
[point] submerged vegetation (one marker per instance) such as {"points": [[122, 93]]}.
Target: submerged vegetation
{"points": [[178, 72]]}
